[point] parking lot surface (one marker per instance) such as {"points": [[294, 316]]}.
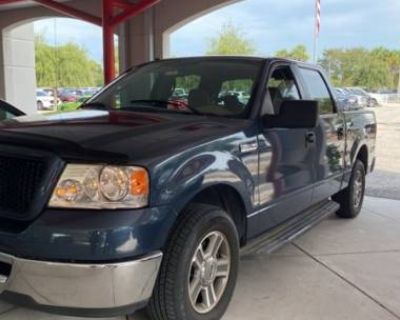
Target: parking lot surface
{"points": [[341, 269], [385, 181]]}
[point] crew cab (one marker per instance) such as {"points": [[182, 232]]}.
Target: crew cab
{"points": [[141, 199]]}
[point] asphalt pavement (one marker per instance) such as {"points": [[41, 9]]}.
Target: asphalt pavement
{"points": [[385, 181]]}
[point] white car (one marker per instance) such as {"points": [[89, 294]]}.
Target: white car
{"points": [[44, 101]]}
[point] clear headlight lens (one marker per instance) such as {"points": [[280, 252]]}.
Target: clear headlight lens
{"points": [[98, 187]]}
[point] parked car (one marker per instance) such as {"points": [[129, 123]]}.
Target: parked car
{"points": [[128, 203], [70, 95], [242, 96], [347, 101], [44, 101], [49, 91], [364, 96], [88, 92], [362, 101], [180, 93]]}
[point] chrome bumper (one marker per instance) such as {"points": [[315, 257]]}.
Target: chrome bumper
{"points": [[80, 286]]}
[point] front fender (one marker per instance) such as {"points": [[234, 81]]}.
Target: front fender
{"points": [[208, 169]]}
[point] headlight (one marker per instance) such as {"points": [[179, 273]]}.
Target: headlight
{"points": [[101, 187]]}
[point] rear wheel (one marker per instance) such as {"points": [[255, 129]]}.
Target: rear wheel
{"points": [[351, 199], [199, 269], [39, 105]]}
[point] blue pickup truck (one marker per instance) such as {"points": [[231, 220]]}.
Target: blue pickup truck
{"points": [[148, 199]]}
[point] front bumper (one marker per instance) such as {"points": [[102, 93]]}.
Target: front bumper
{"points": [[84, 289]]}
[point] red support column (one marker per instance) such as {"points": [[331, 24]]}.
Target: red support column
{"points": [[134, 10], [108, 41], [109, 21]]}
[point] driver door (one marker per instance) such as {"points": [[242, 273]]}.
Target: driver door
{"points": [[286, 159]]}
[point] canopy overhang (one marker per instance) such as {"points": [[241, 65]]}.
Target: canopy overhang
{"points": [[114, 12]]}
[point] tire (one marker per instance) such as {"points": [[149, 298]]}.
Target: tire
{"points": [[179, 269], [39, 105], [351, 199]]}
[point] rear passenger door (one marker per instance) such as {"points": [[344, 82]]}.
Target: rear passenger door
{"points": [[330, 135]]}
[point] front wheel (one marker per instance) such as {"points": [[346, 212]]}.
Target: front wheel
{"points": [[351, 199], [200, 266]]}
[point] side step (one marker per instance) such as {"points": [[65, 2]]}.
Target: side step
{"points": [[289, 230]]}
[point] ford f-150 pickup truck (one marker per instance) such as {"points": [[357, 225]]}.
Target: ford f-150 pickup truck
{"points": [[145, 199]]}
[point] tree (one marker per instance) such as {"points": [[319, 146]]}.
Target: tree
{"points": [[297, 53], [230, 41], [68, 65], [392, 58], [372, 69]]}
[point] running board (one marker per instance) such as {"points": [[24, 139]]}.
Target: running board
{"points": [[290, 229]]}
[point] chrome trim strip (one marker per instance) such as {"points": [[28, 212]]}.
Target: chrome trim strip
{"points": [[88, 286], [256, 213], [249, 147]]}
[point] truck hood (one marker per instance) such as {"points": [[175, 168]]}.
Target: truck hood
{"points": [[114, 135]]}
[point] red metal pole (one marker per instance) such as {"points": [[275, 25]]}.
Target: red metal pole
{"points": [[108, 42], [108, 22], [135, 10], [123, 4]]}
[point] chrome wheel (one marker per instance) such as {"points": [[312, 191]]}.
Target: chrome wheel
{"points": [[358, 189], [209, 272]]}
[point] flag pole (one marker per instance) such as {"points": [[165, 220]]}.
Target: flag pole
{"points": [[316, 49], [317, 28]]}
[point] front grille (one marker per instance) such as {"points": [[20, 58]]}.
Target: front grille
{"points": [[20, 183]]}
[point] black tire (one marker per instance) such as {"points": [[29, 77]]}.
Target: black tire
{"points": [[171, 299], [349, 207]]}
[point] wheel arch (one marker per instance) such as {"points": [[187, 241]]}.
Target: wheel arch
{"points": [[227, 198], [362, 155]]}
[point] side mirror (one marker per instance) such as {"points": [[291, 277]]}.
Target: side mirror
{"points": [[294, 114]]}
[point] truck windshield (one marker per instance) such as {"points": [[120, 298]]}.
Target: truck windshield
{"points": [[204, 87]]}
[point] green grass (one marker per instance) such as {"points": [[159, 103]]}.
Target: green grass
{"points": [[69, 106]]}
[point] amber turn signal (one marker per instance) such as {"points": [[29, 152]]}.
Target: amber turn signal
{"points": [[139, 182]]}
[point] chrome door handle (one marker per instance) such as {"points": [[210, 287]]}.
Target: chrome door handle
{"points": [[249, 147]]}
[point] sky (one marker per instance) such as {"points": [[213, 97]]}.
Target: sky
{"points": [[269, 24]]}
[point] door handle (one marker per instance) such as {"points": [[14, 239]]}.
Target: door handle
{"points": [[249, 147], [310, 137]]}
